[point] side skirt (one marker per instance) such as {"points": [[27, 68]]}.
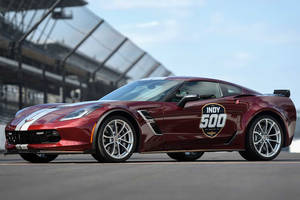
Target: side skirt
{"points": [[196, 150]]}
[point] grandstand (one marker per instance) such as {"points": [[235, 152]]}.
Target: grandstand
{"points": [[60, 51]]}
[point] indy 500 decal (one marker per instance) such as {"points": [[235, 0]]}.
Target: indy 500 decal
{"points": [[213, 119]]}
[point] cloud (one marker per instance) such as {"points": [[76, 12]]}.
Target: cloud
{"points": [[239, 60], [153, 32], [217, 18], [147, 24], [258, 31], [155, 4], [243, 56]]}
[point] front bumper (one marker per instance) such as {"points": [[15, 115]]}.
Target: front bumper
{"points": [[73, 136], [32, 137], [37, 151]]}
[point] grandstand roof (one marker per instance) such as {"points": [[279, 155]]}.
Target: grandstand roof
{"points": [[9, 5]]}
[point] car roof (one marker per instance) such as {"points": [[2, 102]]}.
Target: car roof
{"points": [[192, 78], [189, 78], [183, 78]]}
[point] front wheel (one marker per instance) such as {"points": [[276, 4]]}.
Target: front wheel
{"points": [[264, 139], [38, 158], [116, 140], [185, 156]]}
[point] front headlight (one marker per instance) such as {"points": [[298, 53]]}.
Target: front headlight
{"points": [[80, 113]]}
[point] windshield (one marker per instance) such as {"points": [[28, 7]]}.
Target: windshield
{"points": [[143, 90]]}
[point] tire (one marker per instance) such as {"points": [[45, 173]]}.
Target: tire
{"points": [[97, 157], [185, 156], [38, 158], [115, 144], [263, 140]]}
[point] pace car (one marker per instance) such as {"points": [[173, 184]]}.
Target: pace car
{"points": [[181, 116]]}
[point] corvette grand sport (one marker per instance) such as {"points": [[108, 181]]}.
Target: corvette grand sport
{"points": [[181, 116]]}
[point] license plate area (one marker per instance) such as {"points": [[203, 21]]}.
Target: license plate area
{"points": [[22, 146]]}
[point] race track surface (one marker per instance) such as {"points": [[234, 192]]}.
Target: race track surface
{"points": [[214, 176]]}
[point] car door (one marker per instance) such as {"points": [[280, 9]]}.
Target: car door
{"points": [[207, 123]]}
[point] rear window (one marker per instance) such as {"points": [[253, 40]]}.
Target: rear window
{"points": [[230, 90]]}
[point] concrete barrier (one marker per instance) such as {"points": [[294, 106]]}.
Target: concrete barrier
{"points": [[2, 137], [295, 146]]}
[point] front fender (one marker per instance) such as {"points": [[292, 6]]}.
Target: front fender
{"points": [[101, 119]]}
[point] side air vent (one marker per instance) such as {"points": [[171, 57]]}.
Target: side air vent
{"points": [[156, 128], [150, 122], [146, 114]]}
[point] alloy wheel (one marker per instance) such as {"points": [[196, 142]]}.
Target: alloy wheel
{"points": [[117, 139], [267, 137]]}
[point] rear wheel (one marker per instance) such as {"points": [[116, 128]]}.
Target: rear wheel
{"points": [[38, 158], [264, 139], [116, 140], [185, 156]]}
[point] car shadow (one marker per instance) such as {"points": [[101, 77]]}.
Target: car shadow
{"points": [[178, 162]]}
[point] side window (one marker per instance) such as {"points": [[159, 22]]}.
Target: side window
{"points": [[230, 90], [201, 88]]}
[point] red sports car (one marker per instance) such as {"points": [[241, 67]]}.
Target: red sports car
{"points": [[181, 116]]}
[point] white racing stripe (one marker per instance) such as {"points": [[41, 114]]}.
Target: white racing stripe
{"points": [[33, 117], [77, 104], [26, 118]]}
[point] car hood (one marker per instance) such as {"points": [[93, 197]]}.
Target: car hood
{"points": [[51, 111], [48, 113]]}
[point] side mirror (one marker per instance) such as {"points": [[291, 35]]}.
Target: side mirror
{"points": [[187, 98]]}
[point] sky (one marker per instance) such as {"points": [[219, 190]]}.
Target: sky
{"points": [[254, 43]]}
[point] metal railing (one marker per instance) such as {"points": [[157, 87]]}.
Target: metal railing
{"points": [[65, 37]]}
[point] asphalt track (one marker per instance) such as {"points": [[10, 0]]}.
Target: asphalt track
{"points": [[214, 176]]}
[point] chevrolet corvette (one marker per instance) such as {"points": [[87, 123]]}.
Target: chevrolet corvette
{"points": [[181, 116]]}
